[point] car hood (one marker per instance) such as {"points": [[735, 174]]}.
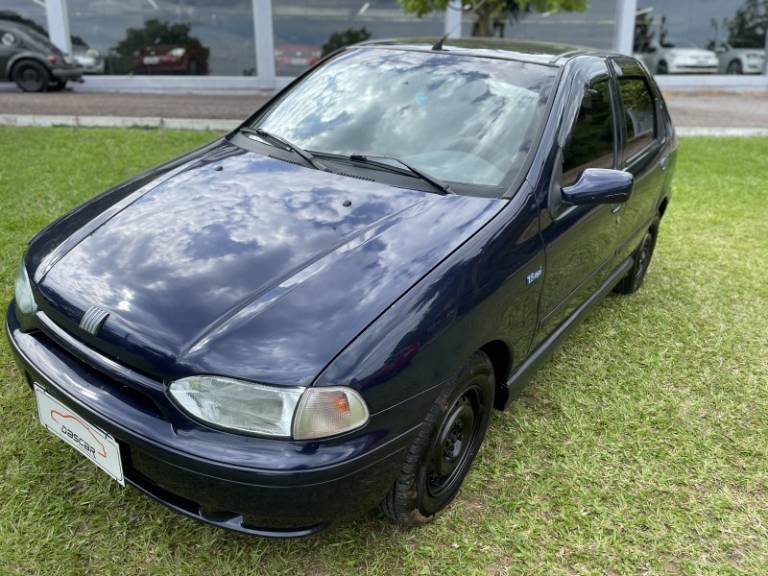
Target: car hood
{"points": [[250, 266]]}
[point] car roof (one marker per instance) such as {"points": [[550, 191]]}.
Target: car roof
{"points": [[552, 54]]}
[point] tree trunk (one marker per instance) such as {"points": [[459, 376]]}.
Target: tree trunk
{"points": [[484, 21]]}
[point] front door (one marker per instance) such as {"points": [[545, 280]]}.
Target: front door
{"points": [[580, 240]]}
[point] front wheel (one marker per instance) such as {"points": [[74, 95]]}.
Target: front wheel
{"points": [[442, 454], [634, 279], [734, 67]]}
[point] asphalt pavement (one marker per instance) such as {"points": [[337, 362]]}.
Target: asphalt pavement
{"points": [[690, 109]]}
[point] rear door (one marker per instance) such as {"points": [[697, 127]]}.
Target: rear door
{"points": [[643, 139], [580, 240]]}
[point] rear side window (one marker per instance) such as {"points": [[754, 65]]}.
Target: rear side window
{"points": [[590, 144], [639, 115]]}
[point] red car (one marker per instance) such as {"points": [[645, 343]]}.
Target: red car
{"points": [[191, 60], [292, 58]]}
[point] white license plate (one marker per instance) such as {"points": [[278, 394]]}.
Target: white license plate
{"points": [[151, 60], [96, 445]]}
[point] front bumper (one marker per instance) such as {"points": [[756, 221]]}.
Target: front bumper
{"points": [[254, 485], [692, 69]]}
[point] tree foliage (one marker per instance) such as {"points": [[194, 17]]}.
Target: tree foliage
{"points": [[748, 26], [490, 11], [345, 38]]}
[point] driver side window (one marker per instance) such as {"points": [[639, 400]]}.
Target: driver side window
{"points": [[590, 144]]}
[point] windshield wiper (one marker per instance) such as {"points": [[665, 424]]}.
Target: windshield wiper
{"points": [[287, 144], [372, 160]]}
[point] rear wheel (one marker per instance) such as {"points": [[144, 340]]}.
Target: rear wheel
{"points": [[31, 76], [442, 454], [634, 279]]}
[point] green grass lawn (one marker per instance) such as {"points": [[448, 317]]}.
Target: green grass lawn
{"points": [[640, 448]]}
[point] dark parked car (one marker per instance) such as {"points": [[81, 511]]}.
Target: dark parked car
{"points": [[30, 60], [317, 313]]}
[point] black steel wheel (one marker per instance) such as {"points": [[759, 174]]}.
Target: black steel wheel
{"points": [[443, 452], [31, 76], [634, 279]]}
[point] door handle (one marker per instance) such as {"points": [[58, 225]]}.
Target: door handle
{"points": [[615, 208], [664, 162]]}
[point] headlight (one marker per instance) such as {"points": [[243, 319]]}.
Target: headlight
{"points": [[244, 406], [754, 56], [178, 52], [276, 411], [24, 298]]}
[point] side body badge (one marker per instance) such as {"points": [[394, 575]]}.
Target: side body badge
{"points": [[93, 319], [533, 276]]}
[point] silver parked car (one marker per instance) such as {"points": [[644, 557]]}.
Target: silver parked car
{"points": [[740, 60]]}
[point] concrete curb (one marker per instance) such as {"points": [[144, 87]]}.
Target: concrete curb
{"points": [[738, 132], [198, 124], [221, 125]]}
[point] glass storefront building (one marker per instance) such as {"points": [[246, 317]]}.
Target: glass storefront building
{"points": [[263, 43]]}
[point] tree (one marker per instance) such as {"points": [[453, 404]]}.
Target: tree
{"points": [[345, 38], [490, 11], [748, 26]]}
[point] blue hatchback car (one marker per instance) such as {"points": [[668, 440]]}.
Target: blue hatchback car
{"points": [[316, 314]]}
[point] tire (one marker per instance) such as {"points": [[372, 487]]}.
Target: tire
{"points": [[734, 67], [57, 85], [632, 282], [662, 68], [31, 76], [442, 454]]}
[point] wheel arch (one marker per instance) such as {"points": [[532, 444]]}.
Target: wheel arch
{"points": [[663, 206], [501, 358], [20, 59]]}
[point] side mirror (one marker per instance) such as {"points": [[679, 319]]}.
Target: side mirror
{"points": [[599, 186]]}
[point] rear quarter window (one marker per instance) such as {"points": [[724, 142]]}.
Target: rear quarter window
{"points": [[640, 127]]}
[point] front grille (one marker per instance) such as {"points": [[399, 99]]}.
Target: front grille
{"points": [[132, 388]]}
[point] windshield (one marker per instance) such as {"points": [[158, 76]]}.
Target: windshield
{"points": [[461, 119]]}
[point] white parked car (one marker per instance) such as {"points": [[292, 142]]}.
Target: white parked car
{"points": [[683, 58], [740, 60]]}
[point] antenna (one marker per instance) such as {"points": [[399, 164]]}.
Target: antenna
{"points": [[439, 44], [461, 8]]}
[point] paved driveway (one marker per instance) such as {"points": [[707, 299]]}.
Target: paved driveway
{"points": [[689, 109]]}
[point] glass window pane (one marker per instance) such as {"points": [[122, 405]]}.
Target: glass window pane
{"points": [[593, 27], [701, 36], [304, 30], [189, 37], [590, 144], [461, 119], [25, 12], [639, 115]]}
